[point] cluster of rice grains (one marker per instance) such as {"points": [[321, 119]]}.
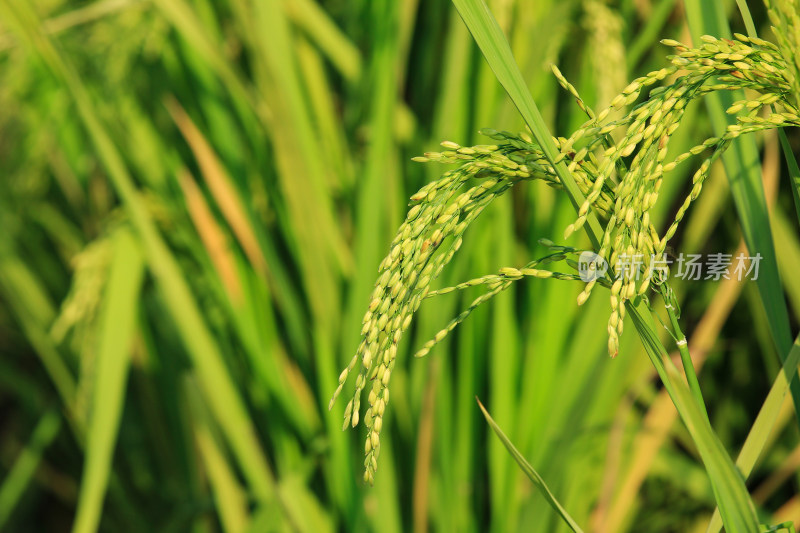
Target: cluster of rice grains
{"points": [[637, 162], [620, 179], [424, 244]]}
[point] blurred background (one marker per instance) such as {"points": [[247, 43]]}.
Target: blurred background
{"points": [[195, 196]]}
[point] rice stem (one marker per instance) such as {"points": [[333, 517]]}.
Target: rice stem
{"points": [[670, 304]]}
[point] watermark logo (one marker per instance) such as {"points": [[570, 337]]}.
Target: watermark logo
{"points": [[591, 266], [713, 267]]}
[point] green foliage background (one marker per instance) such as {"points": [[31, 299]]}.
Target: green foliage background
{"points": [[195, 198]]}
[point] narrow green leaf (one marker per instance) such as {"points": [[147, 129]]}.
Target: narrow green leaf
{"points": [[27, 298], [650, 33], [229, 497], [794, 171], [759, 433], [21, 473], [180, 14], [791, 161], [742, 165], [733, 500], [342, 53], [493, 44], [223, 396], [537, 480], [117, 327]]}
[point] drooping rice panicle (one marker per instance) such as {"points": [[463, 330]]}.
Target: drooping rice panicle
{"points": [[621, 181]]}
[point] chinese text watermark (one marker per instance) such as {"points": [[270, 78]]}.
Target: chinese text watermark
{"points": [[714, 266]]}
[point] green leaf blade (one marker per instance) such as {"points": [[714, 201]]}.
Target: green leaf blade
{"points": [[534, 476]]}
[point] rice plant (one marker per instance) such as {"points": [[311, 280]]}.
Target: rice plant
{"points": [[197, 195], [619, 172]]}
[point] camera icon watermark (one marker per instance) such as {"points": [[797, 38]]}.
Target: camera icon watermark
{"points": [[591, 266]]}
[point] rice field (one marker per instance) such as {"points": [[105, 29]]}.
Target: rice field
{"points": [[582, 214]]}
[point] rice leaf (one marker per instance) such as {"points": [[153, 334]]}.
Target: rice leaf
{"points": [[221, 393], [117, 327], [762, 427], [495, 49], [733, 500], [229, 497], [21, 473], [794, 171], [741, 163], [537, 480]]}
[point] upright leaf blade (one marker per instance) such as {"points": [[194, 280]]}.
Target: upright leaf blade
{"points": [[742, 166], [534, 476], [733, 500], [495, 49], [117, 326], [221, 392], [759, 433], [20, 475]]}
